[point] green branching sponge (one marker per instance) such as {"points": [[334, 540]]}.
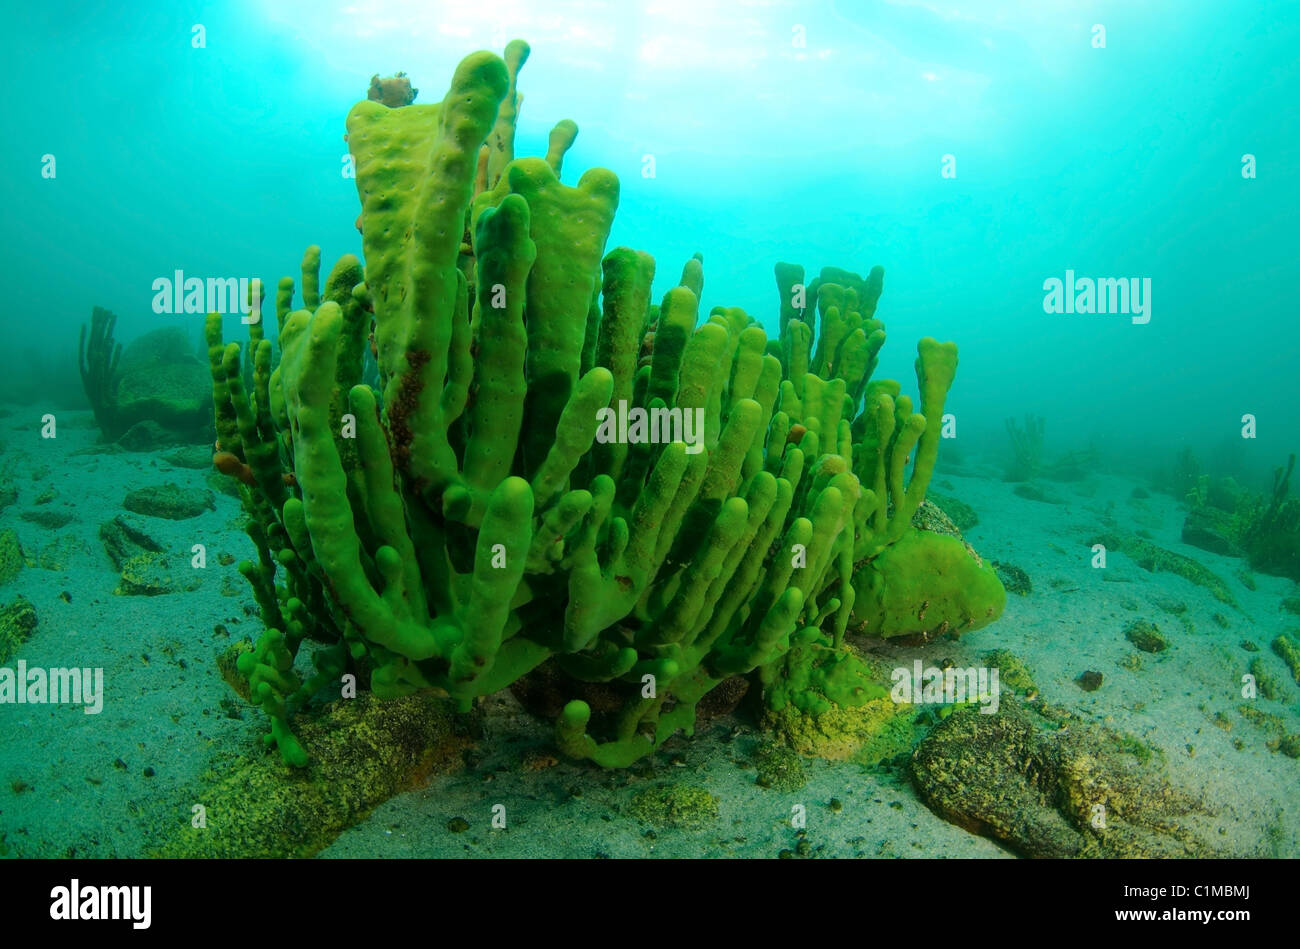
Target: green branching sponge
{"points": [[552, 471]]}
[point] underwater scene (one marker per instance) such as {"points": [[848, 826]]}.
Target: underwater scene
{"points": [[537, 429]]}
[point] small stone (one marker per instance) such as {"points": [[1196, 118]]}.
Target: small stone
{"points": [[1146, 636], [1089, 681]]}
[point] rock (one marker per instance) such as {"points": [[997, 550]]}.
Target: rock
{"points": [[363, 751], [48, 518], [1063, 793], [1032, 492], [194, 457], [151, 574], [1090, 681], [959, 512], [1013, 578], [1211, 529], [146, 435], [1288, 650], [674, 805], [59, 552], [124, 538], [11, 555], [1013, 672], [162, 380], [17, 623], [169, 501], [779, 768], [1146, 636]]}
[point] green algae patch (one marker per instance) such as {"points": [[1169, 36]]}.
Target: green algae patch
{"points": [[363, 751], [1131, 745], [1269, 685], [868, 734], [683, 806], [17, 623], [1266, 721], [1013, 672], [1289, 652], [1154, 559], [11, 556]]}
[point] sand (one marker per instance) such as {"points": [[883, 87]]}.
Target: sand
{"points": [[114, 784]]}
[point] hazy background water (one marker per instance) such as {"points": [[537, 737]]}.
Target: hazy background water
{"points": [[1117, 162]]}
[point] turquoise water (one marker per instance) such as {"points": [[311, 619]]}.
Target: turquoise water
{"points": [[976, 151], [1117, 162]]}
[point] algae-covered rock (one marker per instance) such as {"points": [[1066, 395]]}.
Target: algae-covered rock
{"points": [[161, 379], [1051, 793], [1289, 651], [11, 555], [1013, 672], [169, 501], [959, 512], [17, 623], [1146, 636], [1014, 580], [1158, 560], [126, 537], [227, 665], [833, 703], [193, 457], [363, 751], [1269, 685], [674, 805], [1032, 492], [152, 574], [49, 518], [146, 436], [780, 768], [876, 731], [58, 553]]}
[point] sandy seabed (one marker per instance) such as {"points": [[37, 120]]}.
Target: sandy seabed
{"points": [[117, 783]]}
